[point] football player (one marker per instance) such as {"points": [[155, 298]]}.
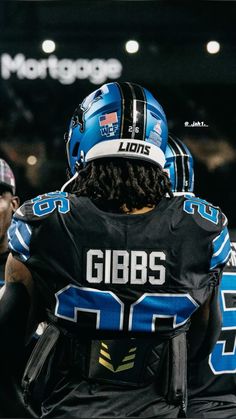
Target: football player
{"points": [[8, 205], [11, 402], [119, 259], [211, 381]]}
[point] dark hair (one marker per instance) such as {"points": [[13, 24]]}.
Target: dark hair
{"points": [[114, 183]]}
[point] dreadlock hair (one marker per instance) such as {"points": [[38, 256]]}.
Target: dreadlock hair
{"points": [[113, 183]]}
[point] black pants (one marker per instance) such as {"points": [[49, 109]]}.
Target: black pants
{"points": [[201, 408], [86, 400]]}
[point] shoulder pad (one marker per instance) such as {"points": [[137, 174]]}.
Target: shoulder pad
{"points": [[40, 207], [211, 219], [203, 212]]}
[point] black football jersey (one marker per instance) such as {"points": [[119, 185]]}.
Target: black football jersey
{"points": [[99, 273], [215, 377]]}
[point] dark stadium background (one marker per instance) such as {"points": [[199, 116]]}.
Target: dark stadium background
{"points": [[172, 62]]}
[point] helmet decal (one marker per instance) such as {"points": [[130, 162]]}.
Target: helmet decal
{"points": [[78, 117]]}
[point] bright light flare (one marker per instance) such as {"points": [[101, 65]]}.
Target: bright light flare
{"points": [[213, 47], [32, 160], [48, 46], [132, 46]]}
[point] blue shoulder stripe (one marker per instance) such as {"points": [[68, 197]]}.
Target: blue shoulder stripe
{"points": [[19, 235], [219, 240], [221, 249]]}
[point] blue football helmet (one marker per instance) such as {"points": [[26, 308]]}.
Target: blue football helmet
{"points": [[117, 120], [179, 165]]}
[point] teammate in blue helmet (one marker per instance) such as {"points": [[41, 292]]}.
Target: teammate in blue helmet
{"points": [[179, 165], [117, 269]]}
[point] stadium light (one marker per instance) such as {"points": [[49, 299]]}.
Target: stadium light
{"points": [[32, 160], [132, 46], [213, 47], [48, 46]]}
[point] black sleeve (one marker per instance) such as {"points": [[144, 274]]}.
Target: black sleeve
{"points": [[205, 328], [14, 312]]}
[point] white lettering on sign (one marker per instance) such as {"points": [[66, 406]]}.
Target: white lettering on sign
{"points": [[66, 71]]}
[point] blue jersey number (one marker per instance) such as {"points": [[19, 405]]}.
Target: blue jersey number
{"points": [[109, 309], [45, 204], [203, 208], [223, 357]]}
